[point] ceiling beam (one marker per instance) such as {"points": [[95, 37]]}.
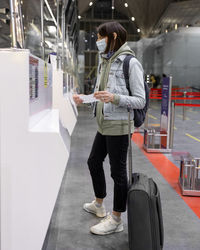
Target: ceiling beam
{"points": [[93, 20]]}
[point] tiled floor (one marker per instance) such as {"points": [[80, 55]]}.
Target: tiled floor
{"points": [[69, 227], [186, 132]]}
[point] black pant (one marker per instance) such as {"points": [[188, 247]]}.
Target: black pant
{"points": [[116, 147]]}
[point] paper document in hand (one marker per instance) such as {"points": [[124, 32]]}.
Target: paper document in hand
{"points": [[88, 98]]}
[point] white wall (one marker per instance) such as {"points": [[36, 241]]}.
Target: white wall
{"points": [[182, 56], [176, 53]]}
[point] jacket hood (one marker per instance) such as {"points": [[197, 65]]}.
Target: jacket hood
{"points": [[123, 50]]}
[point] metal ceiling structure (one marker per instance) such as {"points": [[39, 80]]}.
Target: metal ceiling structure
{"points": [[31, 11], [180, 14], [149, 14], [141, 18], [4, 23], [146, 13], [83, 6]]}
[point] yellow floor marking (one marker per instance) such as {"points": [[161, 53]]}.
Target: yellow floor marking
{"points": [[154, 124], [154, 107], [151, 116], [198, 122], [190, 110], [157, 125], [186, 118], [196, 139]]}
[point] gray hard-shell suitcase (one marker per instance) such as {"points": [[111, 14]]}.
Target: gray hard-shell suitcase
{"points": [[145, 222]]}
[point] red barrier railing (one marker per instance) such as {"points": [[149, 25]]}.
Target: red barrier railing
{"points": [[193, 93], [177, 94], [175, 98], [187, 104], [173, 94], [160, 89], [181, 88]]}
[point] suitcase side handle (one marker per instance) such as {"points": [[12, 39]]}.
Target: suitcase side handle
{"points": [[130, 168], [160, 217]]}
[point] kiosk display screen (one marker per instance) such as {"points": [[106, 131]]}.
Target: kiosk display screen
{"points": [[65, 80], [33, 78]]}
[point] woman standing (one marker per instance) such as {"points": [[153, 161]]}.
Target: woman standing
{"points": [[112, 119]]}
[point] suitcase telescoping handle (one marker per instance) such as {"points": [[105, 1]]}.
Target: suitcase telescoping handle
{"points": [[129, 147]]}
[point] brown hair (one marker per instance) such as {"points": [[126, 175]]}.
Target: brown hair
{"points": [[107, 29]]}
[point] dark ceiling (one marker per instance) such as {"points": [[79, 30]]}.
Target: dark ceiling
{"points": [[147, 13], [151, 16]]}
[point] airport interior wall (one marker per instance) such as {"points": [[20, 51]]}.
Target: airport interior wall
{"points": [[176, 53]]}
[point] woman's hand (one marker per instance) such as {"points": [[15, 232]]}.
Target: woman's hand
{"points": [[77, 99], [104, 96]]}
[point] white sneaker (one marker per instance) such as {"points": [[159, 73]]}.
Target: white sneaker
{"points": [[92, 208], [107, 226]]}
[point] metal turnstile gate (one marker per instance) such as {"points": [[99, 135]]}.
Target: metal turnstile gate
{"points": [[160, 140], [189, 179]]}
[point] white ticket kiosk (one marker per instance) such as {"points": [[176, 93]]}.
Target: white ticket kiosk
{"points": [[33, 150], [62, 97]]}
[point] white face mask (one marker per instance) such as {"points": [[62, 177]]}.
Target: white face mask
{"points": [[101, 45]]}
